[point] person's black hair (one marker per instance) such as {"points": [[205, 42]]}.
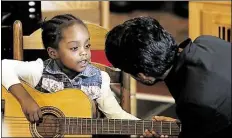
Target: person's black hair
{"points": [[141, 45], [52, 29]]}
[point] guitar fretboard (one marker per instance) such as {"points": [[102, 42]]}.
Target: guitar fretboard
{"points": [[87, 126]]}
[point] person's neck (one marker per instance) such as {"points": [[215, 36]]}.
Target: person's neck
{"points": [[70, 73]]}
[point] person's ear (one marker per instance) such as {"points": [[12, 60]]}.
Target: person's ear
{"points": [[52, 53]]}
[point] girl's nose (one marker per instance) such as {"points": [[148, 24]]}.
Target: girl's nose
{"points": [[83, 52]]}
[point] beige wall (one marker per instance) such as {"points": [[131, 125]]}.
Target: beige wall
{"points": [[85, 10]]}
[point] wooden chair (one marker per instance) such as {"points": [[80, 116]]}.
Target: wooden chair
{"points": [[93, 11], [120, 81]]}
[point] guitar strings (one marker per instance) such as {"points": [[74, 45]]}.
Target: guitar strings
{"points": [[52, 133], [103, 129], [99, 130], [83, 125], [47, 135], [138, 124], [88, 118], [93, 132], [93, 127], [69, 119]]}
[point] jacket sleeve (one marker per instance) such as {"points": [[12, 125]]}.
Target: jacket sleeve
{"points": [[13, 71], [108, 104]]}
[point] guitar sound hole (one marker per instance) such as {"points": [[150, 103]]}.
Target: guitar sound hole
{"points": [[49, 127]]}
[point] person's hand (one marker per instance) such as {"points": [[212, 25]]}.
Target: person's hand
{"points": [[29, 107], [31, 110], [152, 133], [163, 118]]}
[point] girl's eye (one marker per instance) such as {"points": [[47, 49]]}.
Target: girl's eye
{"points": [[74, 48], [88, 46]]}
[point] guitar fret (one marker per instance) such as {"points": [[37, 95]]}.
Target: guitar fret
{"points": [[152, 124], [135, 128], [121, 127], [85, 125], [81, 126], [114, 126], [143, 126], [180, 127], [72, 128], [96, 126], [170, 132], [64, 125], [102, 126], [91, 125], [128, 126], [77, 125], [68, 124], [161, 126], [104, 129], [108, 126]]}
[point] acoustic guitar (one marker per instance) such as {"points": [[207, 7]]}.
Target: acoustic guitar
{"points": [[68, 113]]}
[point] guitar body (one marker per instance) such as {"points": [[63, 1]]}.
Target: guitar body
{"points": [[66, 103]]}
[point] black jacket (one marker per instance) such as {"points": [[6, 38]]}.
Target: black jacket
{"points": [[200, 82]]}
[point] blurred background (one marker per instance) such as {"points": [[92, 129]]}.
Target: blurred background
{"points": [[172, 15]]}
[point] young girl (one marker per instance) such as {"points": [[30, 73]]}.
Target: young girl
{"points": [[67, 41]]}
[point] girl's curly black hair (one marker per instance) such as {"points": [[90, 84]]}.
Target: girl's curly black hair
{"points": [[51, 29]]}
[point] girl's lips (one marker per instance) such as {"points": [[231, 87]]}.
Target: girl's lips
{"points": [[83, 63]]}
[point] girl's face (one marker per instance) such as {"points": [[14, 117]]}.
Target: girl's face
{"points": [[74, 48]]}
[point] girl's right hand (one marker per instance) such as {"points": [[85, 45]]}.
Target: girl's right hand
{"points": [[29, 107], [31, 110]]}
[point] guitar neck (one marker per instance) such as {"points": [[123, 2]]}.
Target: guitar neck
{"points": [[87, 126]]}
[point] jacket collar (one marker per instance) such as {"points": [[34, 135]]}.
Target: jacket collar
{"points": [[53, 68]]}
